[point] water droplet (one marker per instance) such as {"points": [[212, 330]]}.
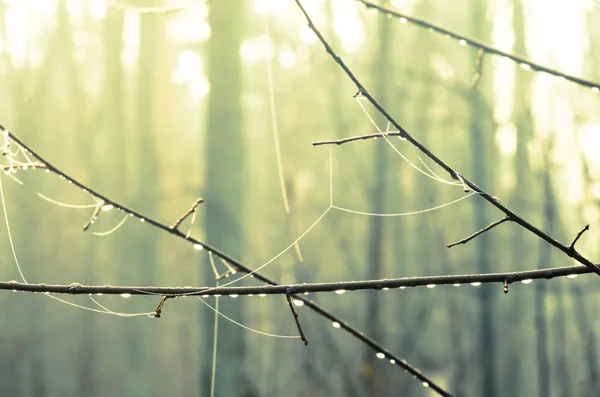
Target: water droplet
{"points": [[385, 288], [306, 293], [217, 295], [392, 361], [205, 296], [25, 168], [403, 20], [403, 287], [425, 384], [47, 170], [525, 66], [595, 90], [335, 324], [380, 355], [99, 294], [298, 302], [198, 247], [107, 207], [462, 42], [262, 295], [456, 284], [13, 282], [126, 295], [233, 295], [234, 272], [142, 220], [430, 285], [527, 281], [74, 285], [571, 276], [131, 215], [430, 30], [476, 283], [340, 291]]}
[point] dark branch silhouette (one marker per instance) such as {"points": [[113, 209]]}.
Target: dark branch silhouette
{"points": [[296, 319], [485, 229], [464, 40], [295, 289], [187, 213]]}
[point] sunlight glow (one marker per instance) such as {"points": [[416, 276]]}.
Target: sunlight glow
{"points": [[262, 7]]}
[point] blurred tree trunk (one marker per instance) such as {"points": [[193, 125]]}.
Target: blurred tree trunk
{"points": [[522, 118], [541, 328], [141, 345], [483, 157], [225, 187], [376, 384]]}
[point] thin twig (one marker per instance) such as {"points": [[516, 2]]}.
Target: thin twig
{"points": [[225, 274], [187, 213], [296, 318], [454, 174], [295, 290], [356, 138], [478, 69], [464, 40], [158, 310], [485, 229], [585, 228], [95, 214], [237, 265], [22, 166]]}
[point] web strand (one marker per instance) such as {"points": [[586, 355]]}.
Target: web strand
{"points": [[273, 112], [403, 213], [217, 312]]}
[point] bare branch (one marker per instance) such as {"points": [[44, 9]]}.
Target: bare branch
{"points": [[187, 213], [95, 214], [158, 310], [454, 174], [295, 290], [585, 228], [296, 319], [485, 229], [356, 138], [464, 40]]}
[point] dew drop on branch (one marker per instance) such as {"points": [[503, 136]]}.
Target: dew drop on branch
{"points": [[380, 355]]}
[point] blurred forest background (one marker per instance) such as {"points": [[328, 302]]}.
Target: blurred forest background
{"points": [[156, 110]]}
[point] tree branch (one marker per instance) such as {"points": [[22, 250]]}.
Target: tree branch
{"points": [[356, 138], [187, 213], [294, 290], [585, 228], [485, 229], [454, 174], [296, 319], [464, 40]]}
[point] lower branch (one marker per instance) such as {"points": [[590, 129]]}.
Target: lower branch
{"points": [[295, 289]]}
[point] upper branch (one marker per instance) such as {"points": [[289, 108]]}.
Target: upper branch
{"points": [[466, 182], [464, 40]]}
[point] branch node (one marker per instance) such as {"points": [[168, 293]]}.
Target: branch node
{"points": [[190, 211], [296, 319], [477, 233]]}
